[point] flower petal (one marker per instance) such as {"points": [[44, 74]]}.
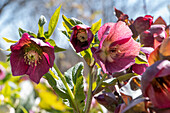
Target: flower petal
{"points": [[24, 40], [19, 67], [119, 31], [49, 55], [36, 72]]}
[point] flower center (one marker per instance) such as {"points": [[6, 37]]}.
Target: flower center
{"points": [[114, 51], [161, 84], [82, 35], [32, 57], [32, 54]]}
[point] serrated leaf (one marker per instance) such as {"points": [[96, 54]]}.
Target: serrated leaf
{"points": [[141, 58], [75, 21], [67, 22], [57, 86], [96, 26], [8, 40], [21, 32], [74, 78], [53, 22]]}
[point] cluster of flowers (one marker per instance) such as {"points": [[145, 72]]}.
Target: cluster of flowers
{"points": [[119, 45]]}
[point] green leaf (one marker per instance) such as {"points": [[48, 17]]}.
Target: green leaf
{"points": [[8, 40], [65, 33], [21, 32], [69, 31], [87, 55], [53, 22], [51, 41], [141, 58], [57, 85], [74, 78], [75, 21], [58, 49], [67, 22], [95, 27]]}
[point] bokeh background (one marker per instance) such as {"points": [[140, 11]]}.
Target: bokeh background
{"points": [[25, 14]]}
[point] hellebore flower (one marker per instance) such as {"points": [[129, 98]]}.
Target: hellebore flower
{"points": [[81, 37], [143, 23], [155, 83], [2, 72], [154, 36], [31, 56], [117, 49]]}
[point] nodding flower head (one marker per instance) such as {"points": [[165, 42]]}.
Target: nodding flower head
{"points": [[31, 56], [117, 49], [81, 37], [155, 83]]}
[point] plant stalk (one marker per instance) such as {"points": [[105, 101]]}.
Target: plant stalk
{"points": [[89, 94], [67, 87]]}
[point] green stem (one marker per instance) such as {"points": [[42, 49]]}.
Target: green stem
{"points": [[66, 85], [89, 94]]}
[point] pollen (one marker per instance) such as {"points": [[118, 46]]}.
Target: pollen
{"points": [[32, 58]]}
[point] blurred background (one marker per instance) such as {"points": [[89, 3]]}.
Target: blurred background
{"points": [[25, 14]]}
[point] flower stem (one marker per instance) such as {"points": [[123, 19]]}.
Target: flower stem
{"points": [[66, 85], [89, 94]]}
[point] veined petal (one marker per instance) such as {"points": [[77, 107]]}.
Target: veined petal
{"points": [[119, 31], [19, 67], [23, 41], [36, 72]]}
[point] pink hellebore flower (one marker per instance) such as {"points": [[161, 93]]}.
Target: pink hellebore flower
{"points": [[81, 37], [155, 83], [117, 49], [143, 23], [154, 36], [31, 56]]}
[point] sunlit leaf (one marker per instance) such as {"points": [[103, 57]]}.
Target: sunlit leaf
{"points": [[74, 78], [141, 58], [96, 26], [67, 22], [87, 55], [58, 49], [75, 21], [21, 32], [53, 22], [57, 85], [8, 40]]}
